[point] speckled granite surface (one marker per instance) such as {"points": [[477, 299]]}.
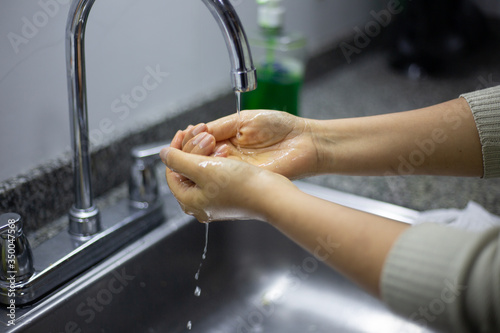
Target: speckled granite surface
{"points": [[334, 89]]}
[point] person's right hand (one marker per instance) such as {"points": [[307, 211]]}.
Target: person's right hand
{"points": [[212, 188], [273, 140]]}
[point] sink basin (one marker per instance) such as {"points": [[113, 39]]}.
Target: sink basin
{"points": [[253, 280]]}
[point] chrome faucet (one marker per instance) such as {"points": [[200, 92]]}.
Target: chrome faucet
{"points": [[84, 216], [15, 251], [91, 238]]}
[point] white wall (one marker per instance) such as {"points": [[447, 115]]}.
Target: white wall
{"points": [[126, 39]]}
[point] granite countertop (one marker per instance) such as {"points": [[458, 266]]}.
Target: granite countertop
{"points": [[369, 86]]}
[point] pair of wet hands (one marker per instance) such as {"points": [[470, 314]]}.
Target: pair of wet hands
{"points": [[206, 195]]}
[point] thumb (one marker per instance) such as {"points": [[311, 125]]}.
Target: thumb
{"points": [[224, 128], [181, 162]]}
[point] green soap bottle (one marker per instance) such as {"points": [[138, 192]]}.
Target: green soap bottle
{"points": [[280, 61]]}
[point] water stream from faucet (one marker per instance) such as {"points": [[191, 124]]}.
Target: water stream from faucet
{"points": [[238, 111]]}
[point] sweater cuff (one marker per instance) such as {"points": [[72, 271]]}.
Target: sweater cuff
{"points": [[485, 106], [425, 274]]}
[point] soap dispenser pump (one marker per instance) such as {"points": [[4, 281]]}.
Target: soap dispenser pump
{"points": [[280, 61]]}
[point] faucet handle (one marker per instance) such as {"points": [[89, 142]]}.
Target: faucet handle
{"points": [[143, 183], [15, 250]]}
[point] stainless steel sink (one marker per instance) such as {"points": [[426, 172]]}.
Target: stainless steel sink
{"points": [[253, 280]]}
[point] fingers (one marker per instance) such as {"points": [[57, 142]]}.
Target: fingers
{"points": [[177, 182], [197, 140], [177, 140], [186, 181], [193, 131], [187, 194], [222, 151], [202, 144]]}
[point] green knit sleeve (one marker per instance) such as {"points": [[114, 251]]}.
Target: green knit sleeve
{"points": [[485, 106]]}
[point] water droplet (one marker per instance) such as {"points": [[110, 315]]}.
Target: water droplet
{"points": [[197, 291], [189, 325], [204, 255]]}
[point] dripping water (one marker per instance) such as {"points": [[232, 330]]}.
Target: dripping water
{"points": [[197, 290], [204, 255]]}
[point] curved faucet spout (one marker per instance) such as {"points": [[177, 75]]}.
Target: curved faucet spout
{"points": [[243, 72], [84, 216]]}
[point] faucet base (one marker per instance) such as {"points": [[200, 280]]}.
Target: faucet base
{"points": [[65, 256], [84, 222]]}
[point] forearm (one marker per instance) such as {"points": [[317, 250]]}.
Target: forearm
{"points": [[439, 140], [353, 242], [459, 268]]}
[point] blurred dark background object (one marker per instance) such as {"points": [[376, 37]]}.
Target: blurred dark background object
{"points": [[431, 37]]}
